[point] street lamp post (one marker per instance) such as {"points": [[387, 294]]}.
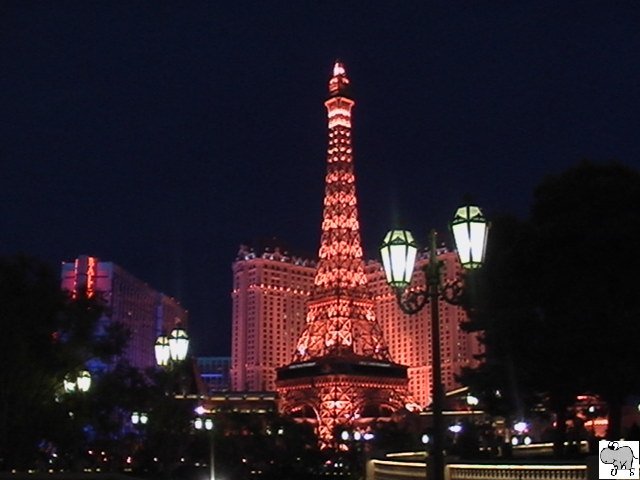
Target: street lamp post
{"points": [[172, 348], [80, 383], [399, 253], [207, 424], [139, 418]]}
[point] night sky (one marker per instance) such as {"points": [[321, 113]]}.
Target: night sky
{"points": [[161, 135]]}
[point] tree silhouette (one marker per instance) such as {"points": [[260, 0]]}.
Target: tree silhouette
{"points": [[558, 299]]}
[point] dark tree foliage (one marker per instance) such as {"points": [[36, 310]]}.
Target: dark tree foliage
{"points": [[587, 225], [46, 335], [558, 299], [30, 305], [502, 308]]}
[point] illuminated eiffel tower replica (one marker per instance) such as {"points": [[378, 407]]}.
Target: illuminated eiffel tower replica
{"points": [[341, 376]]}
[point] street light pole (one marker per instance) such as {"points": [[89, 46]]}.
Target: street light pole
{"points": [[433, 283], [207, 424], [399, 252], [212, 469]]}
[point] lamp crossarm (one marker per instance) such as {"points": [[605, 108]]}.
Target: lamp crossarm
{"points": [[452, 291], [412, 301]]}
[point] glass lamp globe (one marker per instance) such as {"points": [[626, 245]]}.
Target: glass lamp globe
{"points": [[84, 381], [69, 383], [162, 351], [470, 229], [398, 252], [178, 344]]}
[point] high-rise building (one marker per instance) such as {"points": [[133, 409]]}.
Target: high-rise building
{"points": [[342, 374], [145, 312], [270, 292]]}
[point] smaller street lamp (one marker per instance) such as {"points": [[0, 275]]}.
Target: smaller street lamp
{"points": [[81, 383], [139, 418], [206, 424], [472, 401]]}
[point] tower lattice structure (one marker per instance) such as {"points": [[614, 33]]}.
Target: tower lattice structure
{"points": [[340, 315], [341, 373]]}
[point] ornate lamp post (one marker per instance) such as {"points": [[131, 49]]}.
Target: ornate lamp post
{"points": [[399, 253], [207, 425]]}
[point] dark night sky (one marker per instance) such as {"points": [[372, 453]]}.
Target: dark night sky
{"points": [[161, 135]]}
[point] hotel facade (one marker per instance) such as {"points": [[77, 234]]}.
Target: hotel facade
{"points": [[269, 297], [144, 312]]}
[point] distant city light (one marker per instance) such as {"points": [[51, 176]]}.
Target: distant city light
{"points": [[520, 427], [472, 401]]}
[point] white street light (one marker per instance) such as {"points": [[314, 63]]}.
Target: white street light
{"points": [[472, 401], [162, 351], [470, 230], [178, 344], [398, 251], [520, 427], [207, 424], [81, 383], [457, 428], [69, 384], [84, 381], [139, 418]]}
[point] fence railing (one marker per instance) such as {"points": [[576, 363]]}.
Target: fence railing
{"points": [[399, 470]]}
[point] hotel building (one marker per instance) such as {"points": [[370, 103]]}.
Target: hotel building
{"points": [[270, 290], [143, 311]]}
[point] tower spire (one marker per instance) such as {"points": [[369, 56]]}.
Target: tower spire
{"points": [[340, 314], [339, 82]]}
